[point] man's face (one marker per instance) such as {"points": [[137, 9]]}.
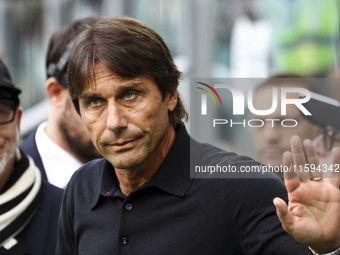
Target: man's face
{"points": [[271, 142], [320, 143], [9, 136], [74, 131], [127, 118]]}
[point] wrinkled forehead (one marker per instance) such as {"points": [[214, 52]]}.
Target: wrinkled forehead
{"points": [[102, 74], [95, 74]]}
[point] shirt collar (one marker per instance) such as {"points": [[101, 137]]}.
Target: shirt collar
{"points": [[58, 171], [107, 184], [173, 176]]}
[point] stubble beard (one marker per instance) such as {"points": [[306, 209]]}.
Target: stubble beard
{"points": [[86, 151], [9, 154]]}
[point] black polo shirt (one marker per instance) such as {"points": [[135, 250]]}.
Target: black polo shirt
{"points": [[171, 213]]}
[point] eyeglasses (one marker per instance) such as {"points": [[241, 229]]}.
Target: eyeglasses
{"points": [[7, 110], [329, 136]]}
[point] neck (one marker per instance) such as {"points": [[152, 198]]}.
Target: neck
{"points": [[131, 179]]}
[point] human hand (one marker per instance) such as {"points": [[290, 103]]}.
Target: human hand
{"points": [[312, 215]]}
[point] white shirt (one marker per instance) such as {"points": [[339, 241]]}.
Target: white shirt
{"points": [[58, 163]]}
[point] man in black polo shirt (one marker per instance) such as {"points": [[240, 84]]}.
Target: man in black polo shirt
{"points": [[140, 198]]}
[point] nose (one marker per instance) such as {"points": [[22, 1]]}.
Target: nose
{"points": [[116, 119], [318, 145]]}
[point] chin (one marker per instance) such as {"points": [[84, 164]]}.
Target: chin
{"points": [[124, 163]]}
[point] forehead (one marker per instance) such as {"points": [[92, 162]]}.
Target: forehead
{"points": [[107, 81], [103, 72]]}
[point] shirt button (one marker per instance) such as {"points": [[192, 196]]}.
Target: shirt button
{"points": [[128, 207], [124, 240]]}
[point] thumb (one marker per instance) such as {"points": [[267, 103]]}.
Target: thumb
{"points": [[283, 213]]}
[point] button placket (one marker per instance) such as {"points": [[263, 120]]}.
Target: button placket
{"points": [[127, 206]]}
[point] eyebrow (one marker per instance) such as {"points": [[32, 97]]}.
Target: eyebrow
{"points": [[87, 96], [121, 89], [130, 85]]}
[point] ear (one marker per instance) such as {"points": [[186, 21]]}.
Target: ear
{"points": [[18, 115], [172, 100], [55, 91]]}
